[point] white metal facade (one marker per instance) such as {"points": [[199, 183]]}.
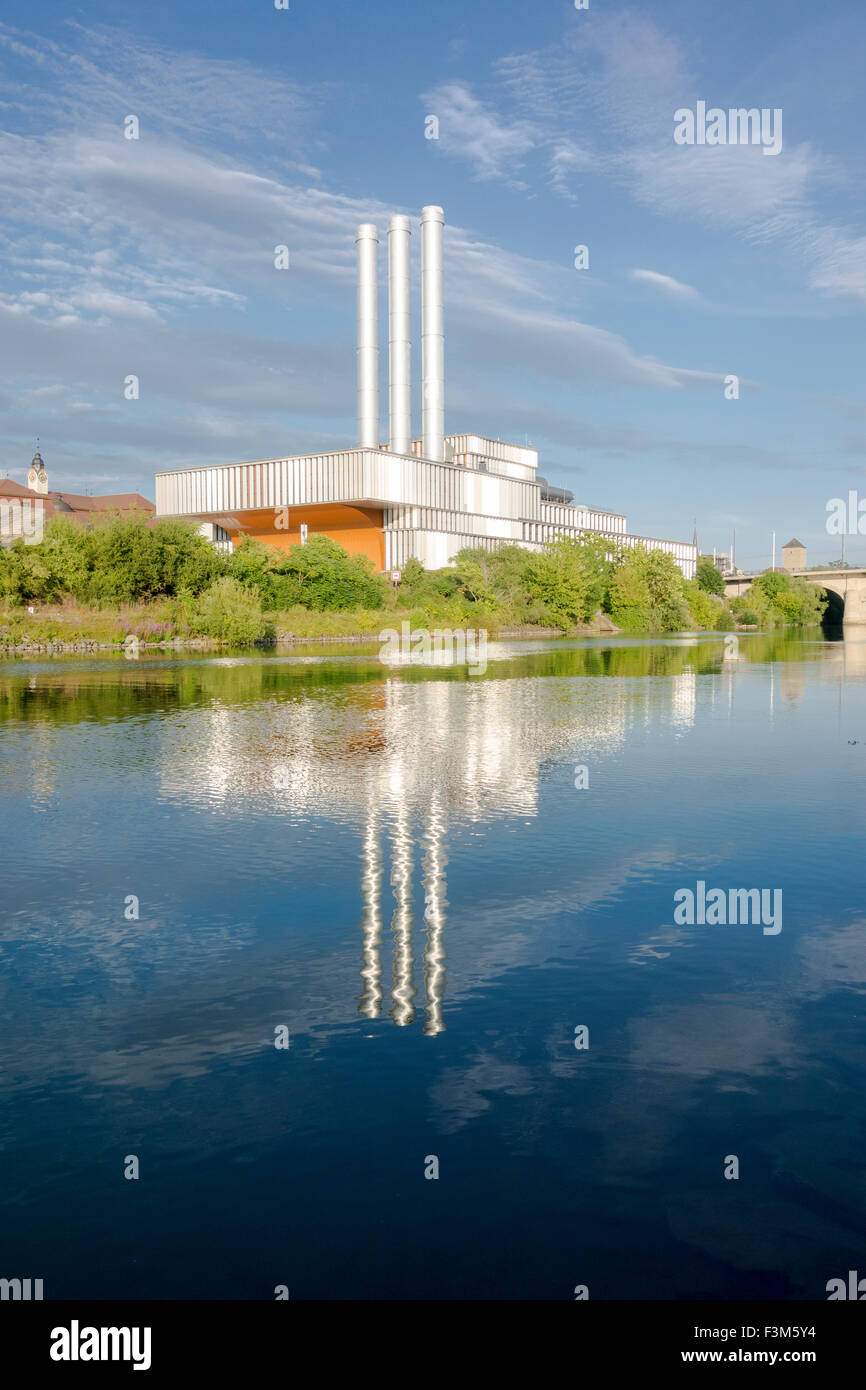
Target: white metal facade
{"points": [[486, 495]]}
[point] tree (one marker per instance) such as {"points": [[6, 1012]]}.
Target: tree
{"points": [[570, 577], [709, 577], [646, 592]]}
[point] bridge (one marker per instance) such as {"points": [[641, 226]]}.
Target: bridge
{"points": [[846, 590]]}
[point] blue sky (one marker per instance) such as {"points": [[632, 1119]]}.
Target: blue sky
{"points": [[261, 127]]}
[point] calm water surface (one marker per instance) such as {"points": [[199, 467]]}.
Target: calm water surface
{"points": [[397, 866]]}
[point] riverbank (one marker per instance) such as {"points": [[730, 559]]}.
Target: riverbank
{"points": [[66, 629]]}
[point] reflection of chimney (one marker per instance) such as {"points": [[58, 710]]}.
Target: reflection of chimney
{"points": [[403, 991], [432, 334], [367, 242], [371, 924], [399, 334], [434, 916]]}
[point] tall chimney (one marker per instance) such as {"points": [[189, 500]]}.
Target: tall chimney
{"points": [[432, 334], [399, 334], [367, 242]]}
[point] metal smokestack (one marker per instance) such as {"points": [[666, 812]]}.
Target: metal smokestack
{"points": [[432, 334], [367, 242], [399, 334]]}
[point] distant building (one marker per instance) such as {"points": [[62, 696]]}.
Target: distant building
{"points": [[17, 501], [721, 561], [794, 556]]}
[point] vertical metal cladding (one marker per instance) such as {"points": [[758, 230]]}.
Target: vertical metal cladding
{"points": [[399, 335], [367, 242], [432, 334]]}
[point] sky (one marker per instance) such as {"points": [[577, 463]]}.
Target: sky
{"points": [[155, 257]]}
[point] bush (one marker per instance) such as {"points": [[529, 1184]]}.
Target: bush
{"points": [[749, 618], [705, 611], [230, 611], [323, 575], [132, 560], [25, 575]]}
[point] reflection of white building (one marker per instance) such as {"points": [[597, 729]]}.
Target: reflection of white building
{"points": [[684, 694], [405, 760]]}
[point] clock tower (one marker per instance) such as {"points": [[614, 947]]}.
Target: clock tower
{"points": [[37, 478]]}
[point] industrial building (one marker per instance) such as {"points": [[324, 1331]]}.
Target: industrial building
{"points": [[424, 497]]}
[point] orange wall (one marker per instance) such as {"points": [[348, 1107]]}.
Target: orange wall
{"points": [[358, 529]]}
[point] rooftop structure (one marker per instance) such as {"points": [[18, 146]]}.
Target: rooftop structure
{"points": [[794, 555]]}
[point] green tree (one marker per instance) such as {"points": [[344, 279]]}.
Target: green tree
{"points": [[709, 577], [134, 559], [646, 592], [570, 578]]}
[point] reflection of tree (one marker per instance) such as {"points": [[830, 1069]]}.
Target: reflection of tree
{"points": [[108, 689]]}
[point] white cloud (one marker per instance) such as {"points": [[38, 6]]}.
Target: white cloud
{"points": [[666, 283], [632, 77], [124, 242], [495, 147]]}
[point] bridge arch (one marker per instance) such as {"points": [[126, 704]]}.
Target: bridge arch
{"points": [[845, 590], [834, 613]]}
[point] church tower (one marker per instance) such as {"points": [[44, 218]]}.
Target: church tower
{"points": [[37, 478]]}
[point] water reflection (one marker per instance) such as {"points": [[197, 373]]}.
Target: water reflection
{"points": [[435, 904], [379, 859], [403, 993], [371, 923]]}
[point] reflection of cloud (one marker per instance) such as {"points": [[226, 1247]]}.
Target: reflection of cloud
{"points": [[718, 1035], [659, 945], [658, 1078], [833, 959], [463, 1094]]}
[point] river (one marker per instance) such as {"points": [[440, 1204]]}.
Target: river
{"points": [[375, 973]]}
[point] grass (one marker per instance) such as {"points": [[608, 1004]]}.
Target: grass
{"points": [[163, 620], [72, 622]]}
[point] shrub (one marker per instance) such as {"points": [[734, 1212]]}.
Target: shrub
{"points": [[323, 575], [704, 610], [230, 611], [132, 560]]}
